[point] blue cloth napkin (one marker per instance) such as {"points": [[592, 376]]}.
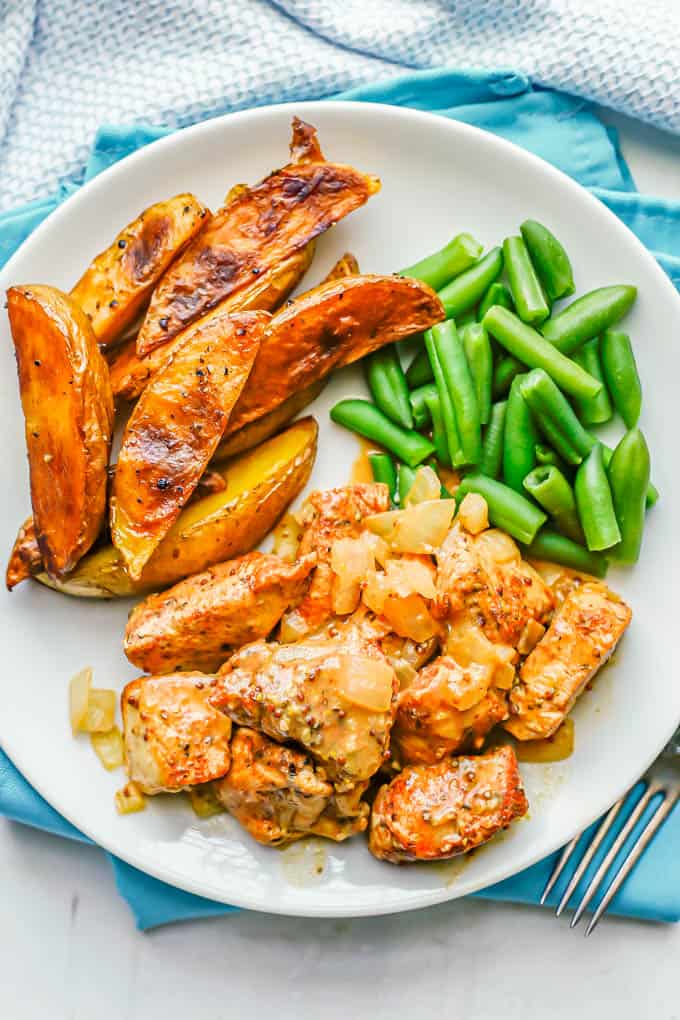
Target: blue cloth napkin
{"points": [[563, 131]]}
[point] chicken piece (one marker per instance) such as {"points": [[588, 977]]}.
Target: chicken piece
{"points": [[196, 623], [279, 795], [485, 578], [328, 515], [336, 697], [174, 738], [583, 634], [433, 812]]}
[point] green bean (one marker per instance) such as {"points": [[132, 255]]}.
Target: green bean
{"points": [[507, 509], [465, 318], [419, 408], [551, 490], [519, 438], [555, 417], [445, 403], [549, 258], [525, 343], [593, 410], [555, 548], [505, 370], [419, 372], [628, 475], [546, 455], [450, 261], [407, 477], [387, 383], [492, 444], [363, 417], [594, 503], [621, 375], [467, 289], [439, 437], [477, 348], [461, 388], [525, 286], [497, 294], [652, 492], [384, 470], [588, 316]]}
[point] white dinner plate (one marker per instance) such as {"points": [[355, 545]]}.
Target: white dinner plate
{"points": [[439, 177]]}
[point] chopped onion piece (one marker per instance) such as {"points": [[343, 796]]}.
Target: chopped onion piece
{"points": [[287, 535], [531, 635], [130, 799], [416, 529], [293, 627], [351, 559], [101, 711], [426, 486], [406, 674], [78, 697], [204, 801], [411, 576], [410, 617], [361, 680], [108, 747], [473, 513]]}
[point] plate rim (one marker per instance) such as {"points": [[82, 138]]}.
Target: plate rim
{"points": [[416, 898]]}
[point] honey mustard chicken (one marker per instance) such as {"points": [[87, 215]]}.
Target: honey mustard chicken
{"points": [[334, 697], [328, 516], [432, 812], [196, 623], [583, 634], [174, 738], [492, 602], [279, 795]]}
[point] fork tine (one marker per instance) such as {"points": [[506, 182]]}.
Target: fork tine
{"points": [[559, 867], [636, 851], [613, 851], [595, 844]]}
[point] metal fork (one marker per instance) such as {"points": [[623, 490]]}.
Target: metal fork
{"points": [[661, 780]]}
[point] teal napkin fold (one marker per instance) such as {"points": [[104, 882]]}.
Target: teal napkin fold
{"points": [[565, 132]]}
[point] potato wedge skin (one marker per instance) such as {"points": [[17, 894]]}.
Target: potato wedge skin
{"points": [[175, 428], [250, 235], [130, 373], [197, 623], [269, 424], [68, 409], [260, 486], [25, 559], [347, 265], [332, 325], [114, 287]]}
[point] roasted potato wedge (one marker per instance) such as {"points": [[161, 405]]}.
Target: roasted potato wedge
{"points": [[68, 409], [130, 373], [260, 485], [175, 428], [249, 236], [269, 424], [115, 286], [332, 325], [25, 559], [346, 265], [197, 623]]}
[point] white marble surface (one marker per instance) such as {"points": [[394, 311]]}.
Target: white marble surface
{"points": [[69, 949]]}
